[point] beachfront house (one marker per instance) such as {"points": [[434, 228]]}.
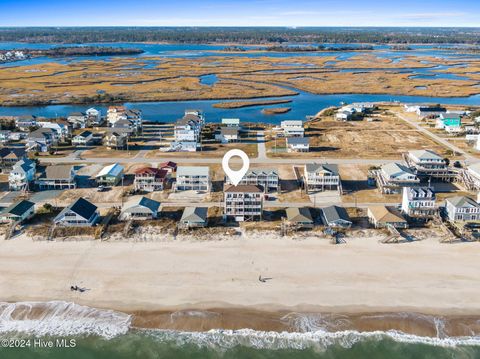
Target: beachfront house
{"points": [[25, 123], [18, 212], [321, 177], [193, 178], [227, 134], [292, 128], [140, 208], [265, 178], [299, 218], [9, 156], [80, 213], [115, 140], [462, 209], [336, 217], [149, 179], [243, 203], [427, 163], [84, 138], [392, 177], [419, 202], [194, 217], [382, 217], [298, 144], [22, 175], [109, 175], [57, 177]]}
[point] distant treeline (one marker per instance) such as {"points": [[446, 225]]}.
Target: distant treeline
{"points": [[243, 35], [317, 48], [83, 51]]}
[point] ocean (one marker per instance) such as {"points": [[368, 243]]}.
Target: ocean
{"points": [[67, 330]]}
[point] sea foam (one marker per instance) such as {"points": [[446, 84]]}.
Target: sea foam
{"points": [[61, 319]]}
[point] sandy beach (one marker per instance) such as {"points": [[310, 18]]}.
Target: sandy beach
{"points": [[362, 275]]}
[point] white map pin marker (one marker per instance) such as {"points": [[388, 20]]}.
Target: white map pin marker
{"points": [[235, 176]]}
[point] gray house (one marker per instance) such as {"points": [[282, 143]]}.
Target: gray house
{"points": [[299, 218], [336, 217], [57, 177], [140, 208], [18, 212], [80, 213], [194, 217], [462, 209]]}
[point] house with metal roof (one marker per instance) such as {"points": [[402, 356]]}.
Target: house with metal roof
{"points": [[193, 217], [227, 134], [427, 163], [18, 212], [462, 209], [231, 122], [110, 175], [57, 177], [298, 144], [336, 217], [193, 178], [321, 177], [80, 213], [299, 218], [393, 176], [140, 208], [382, 217]]}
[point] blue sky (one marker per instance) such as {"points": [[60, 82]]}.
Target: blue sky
{"points": [[240, 13]]}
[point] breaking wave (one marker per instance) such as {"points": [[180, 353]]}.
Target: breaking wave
{"points": [[61, 319], [318, 340]]}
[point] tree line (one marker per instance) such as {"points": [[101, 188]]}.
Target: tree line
{"points": [[243, 35]]}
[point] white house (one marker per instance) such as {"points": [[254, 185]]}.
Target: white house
{"points": [[61, 130], [428, 163], [140, 208], [292, 128], [78, 119], [227, 134], [80, 213], [187, 131], [84, 138], [419, 202], [265, 178], [462, 209], [94, 117], [193, 178], [392, 176], [231, 122], [321, 176], [22, 174], [298, 144]]}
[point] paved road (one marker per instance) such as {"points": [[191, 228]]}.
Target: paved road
{"points": [[268, 161], [262, 151], [435, 137]]}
